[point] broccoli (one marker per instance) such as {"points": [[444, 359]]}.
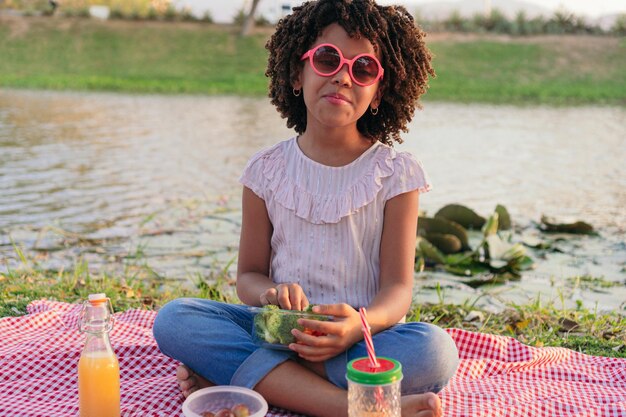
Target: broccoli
{"points": [[265, 323], [274, 325]]}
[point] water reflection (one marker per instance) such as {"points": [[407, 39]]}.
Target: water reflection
{"points": [[106, 176], [555, 161], [81, 159]]}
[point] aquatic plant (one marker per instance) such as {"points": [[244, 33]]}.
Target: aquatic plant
{"points": [[549, 224], [443, 243]]}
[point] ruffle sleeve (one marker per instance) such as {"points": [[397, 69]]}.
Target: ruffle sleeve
{"points": [[409, 175], [254, 173]]}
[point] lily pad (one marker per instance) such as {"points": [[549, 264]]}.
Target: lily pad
{"points": [[524, 263], [550, 225], [489, 278], [432, 225], [446, 243], [430, 252], [504, 219], [496, 257], [462, 215], [465, 258], [536, 243]]}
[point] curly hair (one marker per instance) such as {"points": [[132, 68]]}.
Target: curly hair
{"points": [[394, 34]]}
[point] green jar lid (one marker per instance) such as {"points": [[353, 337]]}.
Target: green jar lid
{"points": [[359, 370]]}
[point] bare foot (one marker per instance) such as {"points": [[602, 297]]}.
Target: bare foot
{"points": [[421, 405], [189, 381]]}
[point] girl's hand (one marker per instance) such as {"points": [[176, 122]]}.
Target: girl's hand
{"points": [[289, 296], [339, 334]]}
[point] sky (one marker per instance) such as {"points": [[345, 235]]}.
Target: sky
{"points": [[224, 10]]}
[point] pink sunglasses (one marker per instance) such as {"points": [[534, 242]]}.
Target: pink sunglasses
{"points": [[326, 60]]}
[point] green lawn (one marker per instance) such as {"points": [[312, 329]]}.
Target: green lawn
{"points": [[143, 57], [158, 57], [541, 70]]}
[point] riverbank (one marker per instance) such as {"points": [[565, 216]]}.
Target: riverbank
{"points": [[536, 324], [162, 57]]}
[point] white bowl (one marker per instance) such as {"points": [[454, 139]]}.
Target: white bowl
{"points": [[224, 396]]}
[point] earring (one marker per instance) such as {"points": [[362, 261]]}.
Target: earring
{"points": [[297, 92], [374, 111]]}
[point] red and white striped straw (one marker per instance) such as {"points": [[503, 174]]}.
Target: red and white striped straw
{"points": [[367, 335]]}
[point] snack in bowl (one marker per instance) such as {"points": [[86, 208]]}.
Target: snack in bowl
{"points": [[239, 410], [225, 401], [272, 325]]}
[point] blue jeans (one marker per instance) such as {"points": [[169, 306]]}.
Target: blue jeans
{"points": [[215, 340]]}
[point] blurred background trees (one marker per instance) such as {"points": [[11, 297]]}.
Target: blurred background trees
{"points": [[491, 21]]}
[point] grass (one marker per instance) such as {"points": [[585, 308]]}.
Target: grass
{"points": [[549, 70], [158, 57], [142, 57], [536, 324]]}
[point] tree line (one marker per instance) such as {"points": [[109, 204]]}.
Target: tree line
{"points": [[559, 23]]}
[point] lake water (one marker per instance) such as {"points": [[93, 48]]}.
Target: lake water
{"points": [[132, 180]]}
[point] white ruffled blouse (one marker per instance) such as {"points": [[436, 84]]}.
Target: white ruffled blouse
{"points": [[328, 220]]}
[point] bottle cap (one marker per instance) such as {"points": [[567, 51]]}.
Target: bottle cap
{"points": [[97, 297], [360, 370]]}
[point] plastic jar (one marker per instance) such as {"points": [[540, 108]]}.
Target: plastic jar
{"points": [[374, 391]]}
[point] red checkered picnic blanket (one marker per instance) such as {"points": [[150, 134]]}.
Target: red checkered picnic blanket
{"points": [[498, 376]]}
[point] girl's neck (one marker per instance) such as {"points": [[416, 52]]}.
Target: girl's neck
{"points": [[333, 148]]}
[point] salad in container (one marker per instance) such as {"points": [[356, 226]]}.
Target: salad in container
{"points": [[273, 325]]}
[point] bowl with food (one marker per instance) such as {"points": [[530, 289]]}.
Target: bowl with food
{"points": [[272, 325], [225, 401]]}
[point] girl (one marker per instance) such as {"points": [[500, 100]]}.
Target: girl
{"points": [[329, 218]]}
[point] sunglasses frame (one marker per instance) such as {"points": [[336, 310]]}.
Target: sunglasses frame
{"points": [[342, 60]]}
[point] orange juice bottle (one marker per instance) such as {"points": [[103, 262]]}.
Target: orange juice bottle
{"points": [[98, 369]]}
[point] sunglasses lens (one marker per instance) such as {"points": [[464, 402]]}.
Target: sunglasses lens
{"points": [[365, 70], [326, 59]]}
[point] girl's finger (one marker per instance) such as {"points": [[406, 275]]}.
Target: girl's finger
{"points": [[339, 310], [304, 302], [308, 339], [314, 355], [269, 297], [295, 298], [318, 326], [283, 299]]}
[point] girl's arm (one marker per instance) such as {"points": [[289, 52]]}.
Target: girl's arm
{"points": [[397, 262], [254, 286], [390, 305], [254, 249]]}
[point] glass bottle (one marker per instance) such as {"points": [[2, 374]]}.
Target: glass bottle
{"points": [[374, 391], [98, 368]]}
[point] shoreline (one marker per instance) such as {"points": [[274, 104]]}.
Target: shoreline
{"points": [[536, 323], [424, 100]]}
